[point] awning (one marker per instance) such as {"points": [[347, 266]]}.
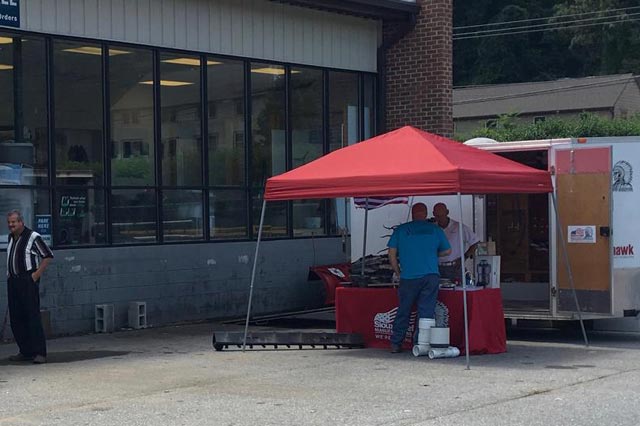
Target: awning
{"points": [[407, 161]]}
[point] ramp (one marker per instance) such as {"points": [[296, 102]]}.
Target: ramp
{"points": [[287, 339]]}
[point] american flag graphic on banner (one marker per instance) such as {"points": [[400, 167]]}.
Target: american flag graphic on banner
{"points": [[375, 202]]}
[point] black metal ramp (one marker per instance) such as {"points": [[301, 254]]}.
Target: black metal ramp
{"points": [[288, 339]]}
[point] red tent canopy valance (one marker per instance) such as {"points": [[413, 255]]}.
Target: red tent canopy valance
{"points": [[406, 161]]}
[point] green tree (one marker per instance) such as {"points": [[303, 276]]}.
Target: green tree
{"points": [[502, 59], [575, 51], [603, 49]]}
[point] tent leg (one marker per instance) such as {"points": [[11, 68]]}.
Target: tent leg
{"points": [[253, 276], [364, 237], [344, 230], [464, 285], [565, 254]]}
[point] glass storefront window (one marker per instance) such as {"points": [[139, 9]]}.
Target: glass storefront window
{"points": [[131, 99], [77, 77], [133, 216], [24, 154], [180, 110], [369, 106], [344, 119], [268, 142], [339, 216], [142, 133], [80, 216], [34, 206], [225, 100], [306, 115], [308, 217], [275, 217], [268, 139], [182, 215], [307, 143], [227, 213], [343, 109]]}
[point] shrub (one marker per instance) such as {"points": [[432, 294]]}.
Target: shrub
{"points": [[586, 125]]}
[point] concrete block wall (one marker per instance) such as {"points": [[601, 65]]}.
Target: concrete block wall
{"points": [[183, 282]]}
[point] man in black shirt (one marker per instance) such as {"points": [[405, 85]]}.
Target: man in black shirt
{"points": [[27, 258]]}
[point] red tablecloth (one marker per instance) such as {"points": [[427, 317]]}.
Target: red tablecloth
{"points": [[370, 312]]}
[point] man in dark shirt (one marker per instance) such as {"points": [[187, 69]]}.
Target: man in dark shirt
{"points": [[27, 258]]}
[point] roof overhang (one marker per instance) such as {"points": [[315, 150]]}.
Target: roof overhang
{"points": [[391, 10]]}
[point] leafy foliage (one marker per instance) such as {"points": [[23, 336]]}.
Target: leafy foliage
{"points": [[587, 125], [603, 49], [575, 51], [132, 171]]}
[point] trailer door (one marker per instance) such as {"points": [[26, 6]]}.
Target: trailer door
{"points": [[583, 190]]}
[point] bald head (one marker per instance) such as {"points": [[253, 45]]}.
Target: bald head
{"points": [[441, 213], [419, 211]]}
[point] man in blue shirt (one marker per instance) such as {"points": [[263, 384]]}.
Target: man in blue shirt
{"points": [[418, 243]]}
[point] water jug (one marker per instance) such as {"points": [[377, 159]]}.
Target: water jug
{"points": [[484, 273]]}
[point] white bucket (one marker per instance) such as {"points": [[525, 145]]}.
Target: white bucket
{"points": [[424, 336], [424, 325], [450, 352], [426, 322], [420, 350], [439, 337]]}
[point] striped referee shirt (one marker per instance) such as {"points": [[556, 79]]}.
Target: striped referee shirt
{"points": [[25, 253]]}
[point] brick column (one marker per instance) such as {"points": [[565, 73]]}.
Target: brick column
{"points": [[418, 71]]}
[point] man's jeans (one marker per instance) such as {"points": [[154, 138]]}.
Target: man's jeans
{"points": [[424, 292]]}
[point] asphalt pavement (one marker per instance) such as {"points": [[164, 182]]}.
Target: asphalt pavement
{"points": [[173, 376]]}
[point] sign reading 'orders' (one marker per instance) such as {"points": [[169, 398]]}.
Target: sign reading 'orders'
{"points": [[10, 13]]}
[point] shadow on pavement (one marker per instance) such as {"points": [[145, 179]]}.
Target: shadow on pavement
{"points": [[72, 356], [597, 339], [520, 356]]}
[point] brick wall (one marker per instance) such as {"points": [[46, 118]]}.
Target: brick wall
{"points": [[418, 70]]}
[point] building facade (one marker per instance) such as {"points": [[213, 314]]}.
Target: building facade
{"points": [[137, 136], [610, 96]]}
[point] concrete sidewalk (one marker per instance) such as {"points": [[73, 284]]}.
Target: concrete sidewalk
{"points": [[172, 376]]}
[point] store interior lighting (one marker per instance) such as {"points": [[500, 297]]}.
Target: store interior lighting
{"points": [[6, 40], [189, 61], [168, 83], [4, 67], [94, 50], [271, 71]]}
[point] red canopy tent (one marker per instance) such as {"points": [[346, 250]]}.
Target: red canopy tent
{"points": [[407, 161]]}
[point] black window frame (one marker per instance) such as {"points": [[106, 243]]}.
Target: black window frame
{"points": [[54, 188]]}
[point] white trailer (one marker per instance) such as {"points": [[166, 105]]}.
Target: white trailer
{"points": [[597, 204]]}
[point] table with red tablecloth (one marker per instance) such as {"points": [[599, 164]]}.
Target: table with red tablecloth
{"points": [[370, 312]]}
